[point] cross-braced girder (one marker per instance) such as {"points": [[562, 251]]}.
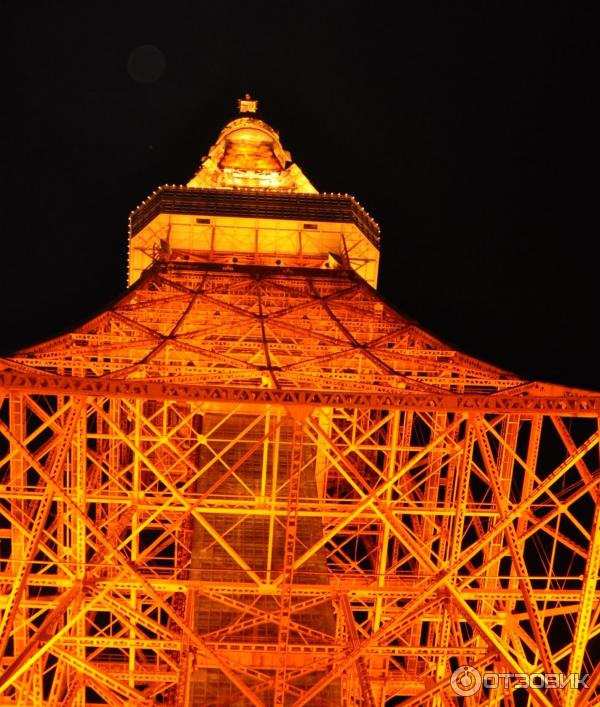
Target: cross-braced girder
{"points": [[306, 555], [250, 481]]}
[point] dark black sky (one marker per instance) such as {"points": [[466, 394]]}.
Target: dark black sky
{"points": [[464, 128]]}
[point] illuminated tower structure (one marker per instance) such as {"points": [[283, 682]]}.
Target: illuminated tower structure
{"points": [[252, 481]]}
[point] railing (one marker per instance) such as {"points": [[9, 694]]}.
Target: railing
{"points": [[331, 208]]}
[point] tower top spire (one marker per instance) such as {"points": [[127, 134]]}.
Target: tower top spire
{"points": [[248, 154], [249, 203], [247, 104]]}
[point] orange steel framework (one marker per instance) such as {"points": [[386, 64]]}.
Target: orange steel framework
{"points": [[252, 481]]}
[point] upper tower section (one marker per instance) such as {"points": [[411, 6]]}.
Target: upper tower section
{"points": [[249, 204], [248, 153]]}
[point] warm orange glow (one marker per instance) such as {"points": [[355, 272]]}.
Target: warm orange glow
{"points": [[252, 481], [248, 153]]}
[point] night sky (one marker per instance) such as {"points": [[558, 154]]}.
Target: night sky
{"points": [[465, 129]]}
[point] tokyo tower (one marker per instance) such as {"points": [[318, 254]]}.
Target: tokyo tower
{"points": [[251, 481]]}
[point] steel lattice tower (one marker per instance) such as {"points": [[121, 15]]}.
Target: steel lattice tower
{"points": [[251, 481]]}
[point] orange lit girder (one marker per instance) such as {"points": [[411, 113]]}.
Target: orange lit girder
{"points": [[86, 628]]}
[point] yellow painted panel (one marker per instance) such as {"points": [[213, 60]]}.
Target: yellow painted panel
{"points": [[234, 240]]}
